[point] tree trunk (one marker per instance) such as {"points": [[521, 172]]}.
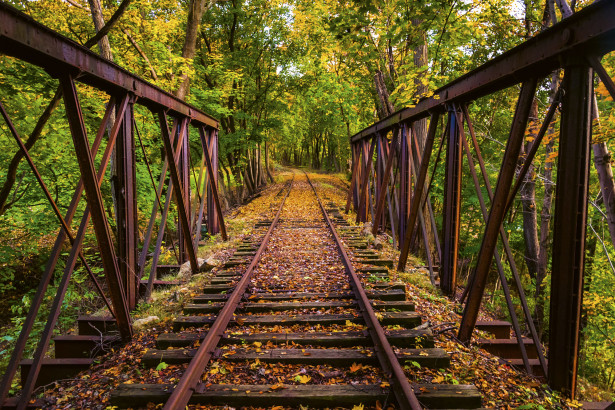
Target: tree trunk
{"points": [[419, 127], [99, 23], [267, 163], [262, 180], [384, 108], [195, 14], [602, 162]]}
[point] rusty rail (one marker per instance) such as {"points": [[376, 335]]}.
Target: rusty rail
{"points": [[185, 388], [406, 399]]}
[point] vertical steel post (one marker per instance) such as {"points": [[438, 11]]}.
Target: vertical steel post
{"points": [[215, 222], [353, 173], [379, 177], [214, 182], [364, 185], [174, 158], [183, 168], [404, 185], [94, 199], [452, 205], [417, 202], [125, 193], [496, 214], [569, 226]]}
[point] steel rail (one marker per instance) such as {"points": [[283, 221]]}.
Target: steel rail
{"points": [[190, 379], [590, 30], [406, 399]]}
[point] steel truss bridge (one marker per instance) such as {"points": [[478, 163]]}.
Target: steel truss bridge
{"points": [[392, 173]]}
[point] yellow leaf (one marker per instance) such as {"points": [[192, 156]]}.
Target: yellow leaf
{"points": [[358, 407], [305, 379], [355, 367], [257, 344]]}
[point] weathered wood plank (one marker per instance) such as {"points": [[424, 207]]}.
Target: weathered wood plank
{"points": [[430, 395], [281, 306], [55, 369], [82, 346], [399, 338], [377, 262], [384, 295], [432, 358], [216, 289], [408, 319]]}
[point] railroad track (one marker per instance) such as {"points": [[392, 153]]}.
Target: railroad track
{"points": [[290, 322]]}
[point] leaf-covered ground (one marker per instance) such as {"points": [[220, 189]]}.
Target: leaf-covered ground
{"points": [[304, 260]]}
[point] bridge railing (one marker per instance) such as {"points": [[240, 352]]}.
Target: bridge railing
{"points": [[391, 178], [124, 257]]}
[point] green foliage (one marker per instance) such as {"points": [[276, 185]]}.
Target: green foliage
{"points": [[298, 76]]}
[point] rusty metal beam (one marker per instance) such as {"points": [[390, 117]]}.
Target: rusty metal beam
{"points": [[213, 180], [419, 192], [94, 198], [37, 300], [364, 187], [404, 189], [496, 214], [22, 37], [590, 30], [126, 216], [452, 206], [568, 255], [174, 156], [54, 312]]}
